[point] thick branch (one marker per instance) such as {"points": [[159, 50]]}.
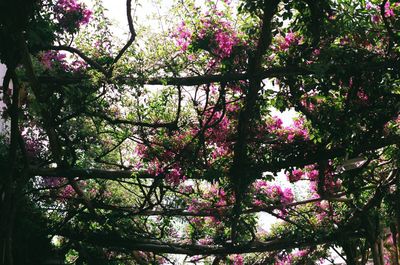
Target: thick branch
{"points": [[313, 156], [155, 125], [233, 77], [224, 211], [310, 158], [156, 246], [87, 173], [274, 72], [239, 174]]}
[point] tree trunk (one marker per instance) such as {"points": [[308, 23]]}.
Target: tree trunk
{"points": [[350, 250], [376, 253], [7, 209], [373, 231]]}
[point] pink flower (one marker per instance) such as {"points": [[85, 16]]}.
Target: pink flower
{"points": [[290, 137], [78, 65], [86, 16], [362, 96], [388, 10], [289, 40], [175, 176], [192, 208], [275, 192], [368, 6], [295, 175], [316, 52], [213, 35], [260, 184], [287, 196], [50, 59], [225, 41], [238, 260], [183, 37], [71, 15], [205, 241], [67, 192], [313, 174], [221, 203], [257, 202], [289, 134], [302, 253], [53, 182], [376, 18], [278, 122]]}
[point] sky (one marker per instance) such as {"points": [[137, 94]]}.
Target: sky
{"points": [[144, 13]]}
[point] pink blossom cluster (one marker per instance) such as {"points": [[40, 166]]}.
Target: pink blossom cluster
{"points": [[388, 11], [266, 194], [311, 173], [217, 134], [283, 43], [220, 34], [205, 241], [51, 58], [314, 56], [310, 101], [331, 184], [173, 174], [33, 148], [71, 15], [390, 249], [161, 162], [67, 192], [308, 173], [53, 182], [54, 59], [183, 36], [362, 96], [58, 187], [236, 259], [219, 126], [207, 226], [308, 104], [324, 212], [213, 199], [287, 133], [284, 260], [77, 65], [291, 258], [214, 35], [225, 41]]}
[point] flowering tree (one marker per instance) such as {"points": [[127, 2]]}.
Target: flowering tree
{"points": [[133, 152]]}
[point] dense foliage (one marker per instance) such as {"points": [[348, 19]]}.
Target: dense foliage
{"points": [[174, 141]]}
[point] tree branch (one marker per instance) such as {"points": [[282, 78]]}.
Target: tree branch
{"points": [[131, 38], [113, 241]]}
